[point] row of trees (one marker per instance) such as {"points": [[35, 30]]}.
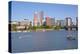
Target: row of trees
{"points": [[30, 27], [47, 27]]}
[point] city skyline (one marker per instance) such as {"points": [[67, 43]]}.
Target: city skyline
{"points": [[37, 26], [25, 10]]}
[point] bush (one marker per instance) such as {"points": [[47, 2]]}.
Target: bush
{"points": [[57, 27]]}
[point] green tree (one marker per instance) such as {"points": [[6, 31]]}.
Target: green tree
{"points": [[14, 27]]}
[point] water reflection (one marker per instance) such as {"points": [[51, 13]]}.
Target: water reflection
{"points": [[71, 37]]}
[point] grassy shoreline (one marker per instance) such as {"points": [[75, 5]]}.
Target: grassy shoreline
{"points": [[38, 30]]}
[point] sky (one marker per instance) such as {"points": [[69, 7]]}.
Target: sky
{"points": [[25, 10]]}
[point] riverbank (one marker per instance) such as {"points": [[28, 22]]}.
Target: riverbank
{"points": [[38, 30]]}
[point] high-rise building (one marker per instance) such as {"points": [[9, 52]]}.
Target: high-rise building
{"points": [[62, 23], [38, 18], [44, 22], [35, 20], [41, 17], [52, 21], [58, 23], [48, 21]]}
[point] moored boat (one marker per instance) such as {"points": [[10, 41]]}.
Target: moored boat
{"points": [[70, 37]]}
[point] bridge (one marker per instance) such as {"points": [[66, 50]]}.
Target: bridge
{"points": [[74, 27]]}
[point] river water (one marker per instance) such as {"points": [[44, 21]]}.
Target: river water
{"points": [[43, 41]]}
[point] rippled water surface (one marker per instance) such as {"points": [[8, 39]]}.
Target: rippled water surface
{"points": [[42, 41]]}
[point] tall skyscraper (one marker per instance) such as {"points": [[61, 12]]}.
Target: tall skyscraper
{"points": [[35, 20], [41, 17], [38, 18]]}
